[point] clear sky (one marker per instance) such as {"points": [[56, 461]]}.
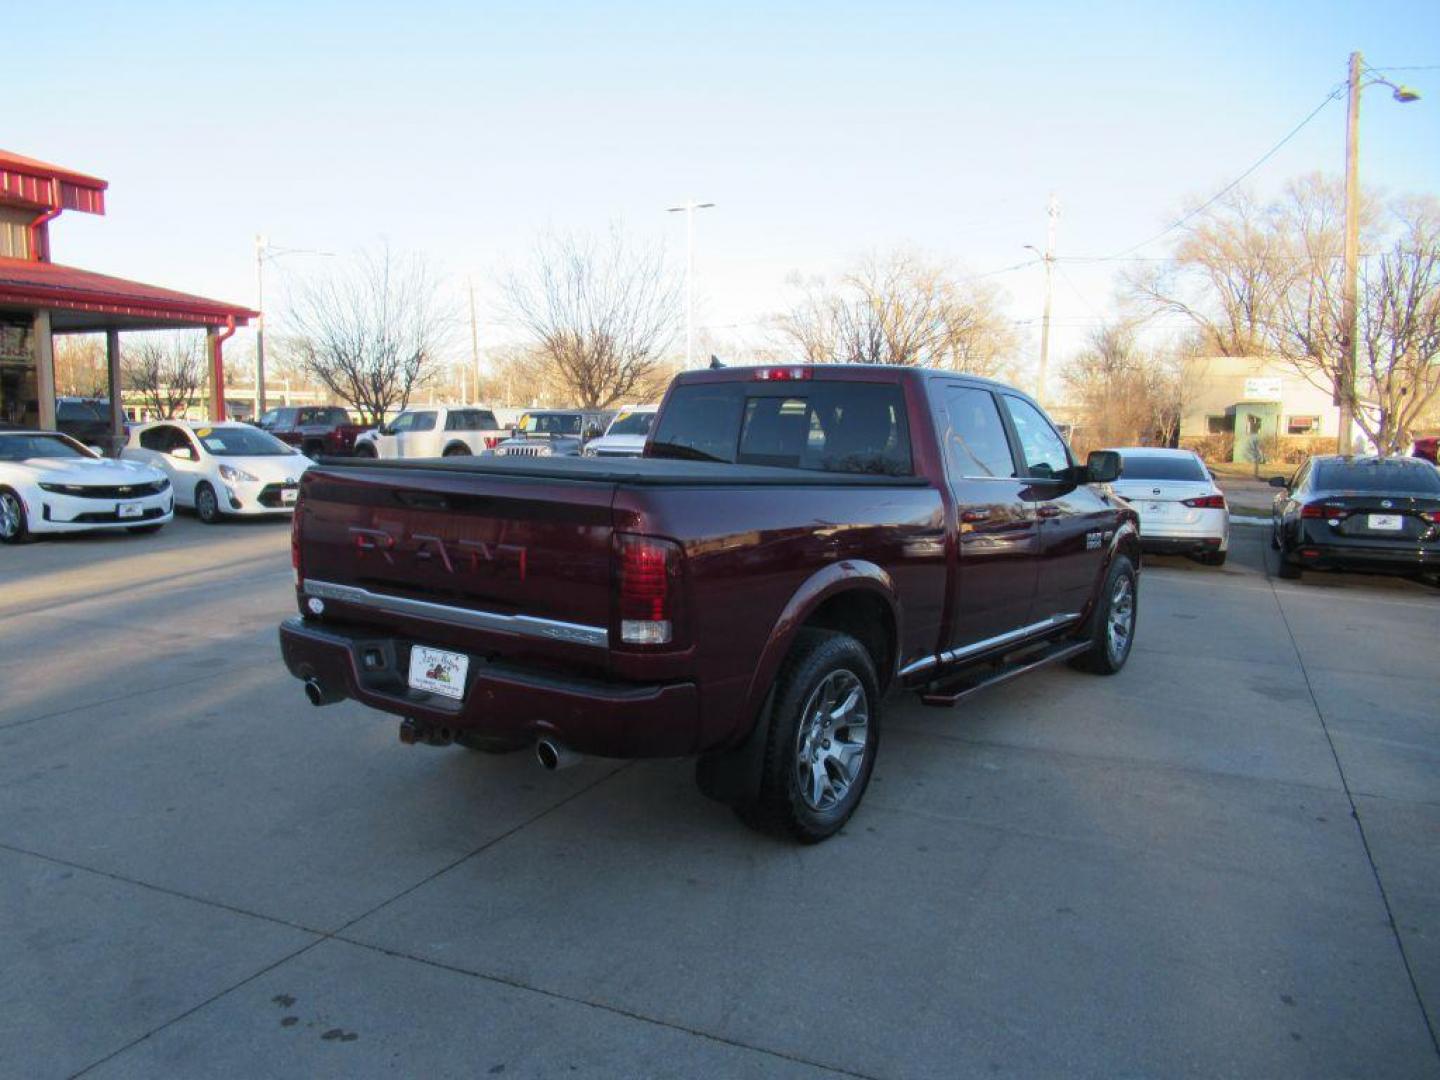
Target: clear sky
{"points": [[820, 130]]}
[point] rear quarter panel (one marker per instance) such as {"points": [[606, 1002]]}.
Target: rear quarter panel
{"points": [[759, 559]]}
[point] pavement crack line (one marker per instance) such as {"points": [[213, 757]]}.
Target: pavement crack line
{"points": [[1359, 826], [322, 936], [615, 1010]]}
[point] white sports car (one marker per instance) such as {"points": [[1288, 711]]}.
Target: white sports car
{"points": [[220, 469], [49, 483]]}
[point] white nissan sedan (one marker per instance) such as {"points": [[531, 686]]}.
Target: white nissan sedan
{"points": [[1181, 510], [49, 483], [221, 469]]}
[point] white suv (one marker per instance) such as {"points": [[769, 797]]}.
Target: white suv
{"points": [[432, 431]]}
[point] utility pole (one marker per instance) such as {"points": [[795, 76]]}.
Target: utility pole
{"points": [[1345, 389], [474, 338], [1350, 300], [1052, 212], [688, 208]]}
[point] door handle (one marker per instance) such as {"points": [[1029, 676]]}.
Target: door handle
{"points": [[969, 517], [1048, 510]]}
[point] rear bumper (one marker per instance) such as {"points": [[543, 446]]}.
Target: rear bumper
{"points": [[1394, 560], [502, 700], [1180, 545]]}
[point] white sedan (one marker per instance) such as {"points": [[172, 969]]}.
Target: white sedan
{"points": [[221, 469], [1181, 510], [49, 483]]}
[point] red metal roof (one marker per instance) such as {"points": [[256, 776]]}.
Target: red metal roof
{"points": [[38, 183], [48, 285]]}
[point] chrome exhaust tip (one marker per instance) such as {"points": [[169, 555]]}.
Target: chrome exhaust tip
{"points": [[315, 692], [553, 755]]}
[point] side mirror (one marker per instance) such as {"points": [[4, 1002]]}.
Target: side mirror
{"points": [[95, 450], [1279, 482], [183, 453], [1103, 467]]}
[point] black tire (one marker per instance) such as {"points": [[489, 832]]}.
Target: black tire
{"points": [[145, 528], [821, 664], [1212, 558], [456, 450], [1287, 569], [1274, 537], [485, 744], [365, 450], [14, 525], [1109, 648], [313, 450], [207, 504]]}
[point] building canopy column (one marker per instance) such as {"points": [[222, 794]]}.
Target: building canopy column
{"points": [[117, 403], [44, 370]]}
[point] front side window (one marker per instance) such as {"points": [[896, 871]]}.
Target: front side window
{"points": [[1045, 453], [974, 436], [414, 421]]}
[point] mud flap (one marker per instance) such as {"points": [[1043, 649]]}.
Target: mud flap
{"points": [[733, 776]]}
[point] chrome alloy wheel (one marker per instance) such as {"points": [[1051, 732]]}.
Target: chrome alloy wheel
{"points": [[10, 515], [830, 744], [1121, 620]]}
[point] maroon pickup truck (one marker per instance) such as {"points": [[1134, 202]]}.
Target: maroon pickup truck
{"points": [[315, 430], [797, 543]]}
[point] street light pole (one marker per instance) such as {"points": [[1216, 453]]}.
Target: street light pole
{"points": [[1350, 291], [1052, 211], [263, 254], [689, 208]]}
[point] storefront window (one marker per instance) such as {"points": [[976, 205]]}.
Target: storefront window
{"points": [[1302, 425], [19, 398]]}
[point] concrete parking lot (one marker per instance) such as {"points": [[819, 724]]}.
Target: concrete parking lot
{"points": [[1223, 862]]}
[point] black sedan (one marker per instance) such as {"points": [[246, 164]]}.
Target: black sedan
{"points": [[1361, 513]]}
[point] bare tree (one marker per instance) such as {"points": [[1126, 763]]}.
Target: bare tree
{"points": [[899, 308], [1268, 280], [81, 366], [1126, 394], [600, 313], [166, 370], [370, 331]]}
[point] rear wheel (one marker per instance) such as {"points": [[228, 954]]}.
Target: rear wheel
{"points": [[1287, 569], [456, 450], [366, 450], [207, 506], [1111, 629], [823, 735], [14, 527]]}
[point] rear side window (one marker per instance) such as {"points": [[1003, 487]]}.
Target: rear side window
{"points": [[161, 439], [1150, 467], [821, 425], [1044, 450], [974, 435], [1399, 477]]}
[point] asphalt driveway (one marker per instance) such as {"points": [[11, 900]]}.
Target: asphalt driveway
{"points": [[1223, 862]]}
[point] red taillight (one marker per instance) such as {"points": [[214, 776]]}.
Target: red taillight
{"points": [[782, 374], [1322, 510], [1206, 502], [295, 535], [647, 570], [1432, 516]]}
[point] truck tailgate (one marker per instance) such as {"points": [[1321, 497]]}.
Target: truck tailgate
{"points": [[523, 562]]}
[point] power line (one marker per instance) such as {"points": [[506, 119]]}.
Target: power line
{"points": [[1332, 96]]}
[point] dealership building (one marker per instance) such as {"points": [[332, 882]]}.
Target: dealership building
{"points": [[40, 298], [1253, 399]]}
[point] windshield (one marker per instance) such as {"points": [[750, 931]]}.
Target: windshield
{"points": [[550, 424], [632, 423], [1396, 477], [1156, 467], [24, 447], [241, 442]]}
